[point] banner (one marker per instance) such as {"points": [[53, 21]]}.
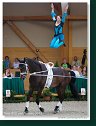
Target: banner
{"points": [[8, 93]]}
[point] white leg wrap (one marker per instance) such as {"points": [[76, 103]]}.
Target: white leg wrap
{"points": [[39, 106], [27, 104], [60, 106]]}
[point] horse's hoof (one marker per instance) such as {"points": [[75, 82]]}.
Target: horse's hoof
{"points": [[41, 109], [56, 110], [26, 110]]}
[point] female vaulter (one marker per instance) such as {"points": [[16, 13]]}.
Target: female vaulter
{"points": [[58, 38]]}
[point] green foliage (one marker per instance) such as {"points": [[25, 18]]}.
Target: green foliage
{"points": [[46, 92], [13, 99], [13, 93], [55, 98], [67, 94]]}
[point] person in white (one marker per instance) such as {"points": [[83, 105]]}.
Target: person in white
{"points": [[49, 67], [75, 71], [16, 64], [8, 73]]}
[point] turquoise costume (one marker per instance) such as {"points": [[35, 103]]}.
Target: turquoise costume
{"points": [[57, 41]]}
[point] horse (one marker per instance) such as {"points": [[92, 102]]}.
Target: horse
{"points": [[61, 78]]}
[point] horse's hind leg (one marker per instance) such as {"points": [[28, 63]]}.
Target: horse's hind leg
{"points": [[73, 87], [28, 99], [60, 92], [74, 91]]}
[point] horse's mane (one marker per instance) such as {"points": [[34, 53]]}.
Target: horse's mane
{"points": [[33, 61]]}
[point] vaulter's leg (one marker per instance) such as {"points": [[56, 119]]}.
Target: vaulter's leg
{"points": [[60, 41], [53, 42], [58, 44]]}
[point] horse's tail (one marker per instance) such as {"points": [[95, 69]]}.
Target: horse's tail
{"points": [[73, 87]]}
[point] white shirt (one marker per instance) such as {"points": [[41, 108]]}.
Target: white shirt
{"points": [[16, 64], [76, 73]]}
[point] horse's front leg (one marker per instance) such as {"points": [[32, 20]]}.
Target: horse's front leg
{"points": [[28, 100], [37, 100]]}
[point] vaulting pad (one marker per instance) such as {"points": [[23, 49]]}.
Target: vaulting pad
{"points": [[50, 75]]}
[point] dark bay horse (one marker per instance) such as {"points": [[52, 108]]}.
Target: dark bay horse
{"points": [[32, 66]]}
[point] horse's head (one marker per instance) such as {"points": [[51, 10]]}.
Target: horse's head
{"points": [[23, 66], [28, 65]]}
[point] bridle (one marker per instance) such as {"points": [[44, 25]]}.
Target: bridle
{"points": [[26, 65]]}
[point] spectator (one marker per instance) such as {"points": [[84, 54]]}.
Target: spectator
{"points": [[79, 69], [84, 71], [65, 64], [74, 69], [6, 62], [16, 63], [8, 73], [84, 58], [76, 62]]}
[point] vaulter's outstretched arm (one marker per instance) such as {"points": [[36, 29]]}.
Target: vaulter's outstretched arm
{"points": [[53, 14], [65, 14]]}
